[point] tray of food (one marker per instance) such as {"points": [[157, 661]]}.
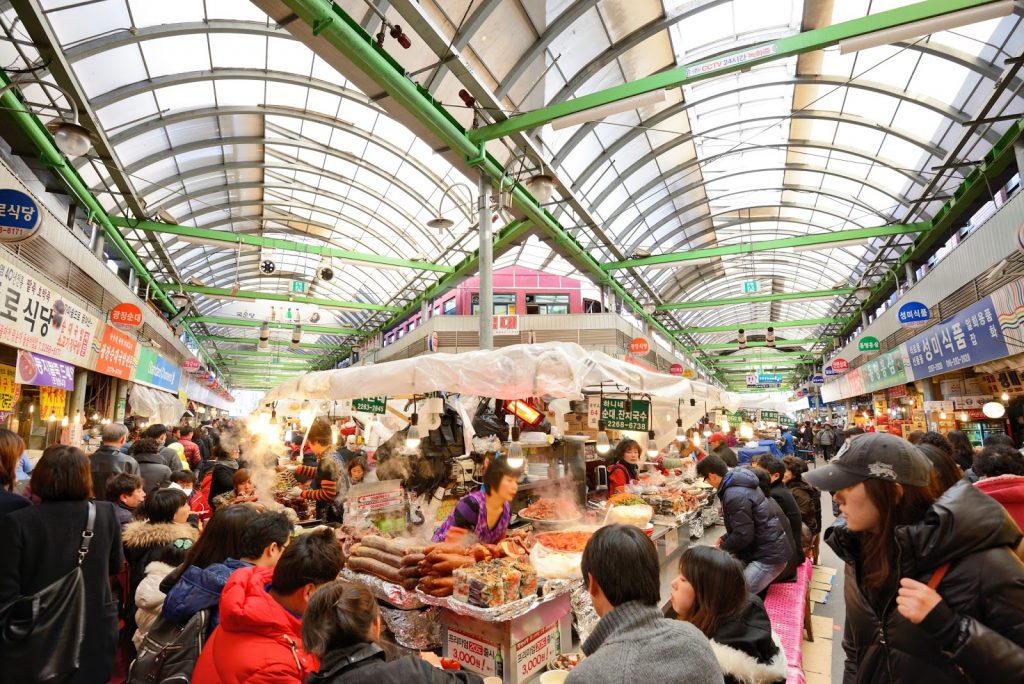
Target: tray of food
{"points": [[547, 511], [571, 541], [492, 583], [566, 661]]}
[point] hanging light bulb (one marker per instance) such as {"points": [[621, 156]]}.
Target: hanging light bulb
{"points": [[627, 405], [95, 417], [412, 436], [78, 418], [306, 417], [334, 435], [963, 416], [515, 456], [31, 409], [942, 415], [652, 446], [1004, 396], [264, 342], [726, 428], [680, 431], [695, 439], [53, 417], [296, 336], [64, 421], [603, 445], [746, 431]]}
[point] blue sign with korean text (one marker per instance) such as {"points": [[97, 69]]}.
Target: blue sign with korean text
{"points": [[19, 216], [817, 379], [969, 337], [829, 371], [769, 378], [913, 315]]}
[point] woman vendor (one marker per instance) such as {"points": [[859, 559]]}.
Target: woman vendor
{"points": [[624, 467], [486, 512]]}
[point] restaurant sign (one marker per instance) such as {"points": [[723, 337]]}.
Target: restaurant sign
{"points": [[19, 216], [370, 404], [616, 417]]}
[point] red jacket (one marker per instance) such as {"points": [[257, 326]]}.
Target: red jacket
{"points": [[257, 641], [1009, 491], [192, 454]]}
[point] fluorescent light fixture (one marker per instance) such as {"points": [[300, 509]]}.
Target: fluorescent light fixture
{"points": [[703, 261], [860, 242], [926, 27], [223, 244], [600, 112]]}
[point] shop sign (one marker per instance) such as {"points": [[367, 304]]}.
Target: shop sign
{"points": [[913, 315], [535, 651], [818, 379], [117, 354], [897, 391], [868, 344], [840, 365], [432, 342], [19, 216], [615, 416], [639, 345], [8, 389], [36, 369], [952, 387], [785, 421], [505, 325], [126, 316], [473, 653], [36, 318], [829, 371], [761, 386], [51, 403], [370, 404], [769, 416], [769, 378], [376, 497], [191, 365], [970, 402], [969, 337], [676, 369], [885, 371], [689, 373], [937, 406], [298, 287], [157, 371], [726, 61]]}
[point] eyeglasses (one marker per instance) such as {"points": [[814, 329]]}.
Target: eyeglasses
{"points": [[183, 543]]}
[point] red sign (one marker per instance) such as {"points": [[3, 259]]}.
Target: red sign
{"points": [[639, 345], [190, 365], [505, 325], [117, 354], [126, 315], [897, 391], [676, 369], [840, 365]]}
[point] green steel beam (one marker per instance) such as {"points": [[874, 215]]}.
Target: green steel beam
{"points": [[778, 343], [269, 354], [772, 357], [332, 25], [706, 68], [233, 240], [240, 323], [278, 297], [756, 298], [802, 323], [767, 245], [270, 367], [274, 343], [762, 364]]}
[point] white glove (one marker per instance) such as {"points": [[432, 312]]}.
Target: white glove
{"points": [[295, 491], [291, 467]]}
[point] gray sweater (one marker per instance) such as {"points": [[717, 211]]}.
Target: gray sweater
{"points": [[636, 643]]}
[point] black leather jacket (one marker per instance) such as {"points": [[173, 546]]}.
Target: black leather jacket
{"points": [[976, 634]]}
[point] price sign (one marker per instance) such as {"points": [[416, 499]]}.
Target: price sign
{"points": [[536, 651], [370, 404], [376, 497], [472, 653]]}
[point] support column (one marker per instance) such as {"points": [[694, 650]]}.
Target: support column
{"points": [[121, 400], [864, 318], [909, 270], [99, 243], [133, 280], [486, 264], [78, 394], [1018, 152]]}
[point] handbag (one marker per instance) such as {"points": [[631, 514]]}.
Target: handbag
{"points": [[42, 633]]}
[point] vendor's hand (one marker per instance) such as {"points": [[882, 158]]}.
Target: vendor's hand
{"points": [[295, 491], [431, 658], [915, 600]]}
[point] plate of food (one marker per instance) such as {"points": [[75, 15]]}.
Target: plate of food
{"points": [[548, 511], [566, 661], [566, 541]]}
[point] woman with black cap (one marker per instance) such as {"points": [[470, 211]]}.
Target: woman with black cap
{"points": [[934, 592]]}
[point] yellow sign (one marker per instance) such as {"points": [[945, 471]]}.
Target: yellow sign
{"points": [[8, 389], [51, 401]]}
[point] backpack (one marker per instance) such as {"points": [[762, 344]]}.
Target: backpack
{"points": [[170, 650]]}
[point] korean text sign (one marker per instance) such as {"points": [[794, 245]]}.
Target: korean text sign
{"points": [[615, 416], [36, 369], [971, 336], [157, 371], [117, 354], [37, 318]]}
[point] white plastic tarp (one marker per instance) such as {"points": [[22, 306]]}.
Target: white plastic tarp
{"points": [[159, 407]]}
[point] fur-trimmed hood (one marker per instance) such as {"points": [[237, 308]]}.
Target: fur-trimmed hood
{"points": [[142, 534], [747, 649], [744, 668]]}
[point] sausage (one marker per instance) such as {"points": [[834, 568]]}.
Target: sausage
{"points": [[409, 583], [411, 560], [449, 563], [446, 547], [410, 572], [375, 567], [396, 547], [365, 551]]}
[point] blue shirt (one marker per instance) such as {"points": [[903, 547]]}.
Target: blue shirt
{"points": [[788, 439], [24, 468]]}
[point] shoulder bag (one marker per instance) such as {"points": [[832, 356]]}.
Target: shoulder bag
{"points": [[41, 633]]}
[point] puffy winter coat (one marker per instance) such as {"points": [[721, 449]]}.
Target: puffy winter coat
{"points": [[105, 463], [808, 500], [782, 496], [365, 664], [746, 648], [141, 539], [149, 599], [976, 633], [258, 641], [198, 589], [154, 471], [1009, 491], [753, 532]]}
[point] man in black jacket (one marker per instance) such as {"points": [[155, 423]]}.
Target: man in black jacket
{"points": [[108, 461], [717, 444]]}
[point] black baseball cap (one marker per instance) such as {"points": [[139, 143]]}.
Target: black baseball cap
{"points": [[877, 455]]}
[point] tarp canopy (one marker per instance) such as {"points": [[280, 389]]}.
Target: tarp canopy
{"points": [[159, 407]]}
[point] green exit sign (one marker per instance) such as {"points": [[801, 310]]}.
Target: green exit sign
{"points": [[298, 286], [370, 404], [749, 286]]}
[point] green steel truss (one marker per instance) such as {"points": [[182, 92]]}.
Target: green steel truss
{"points": [[755, 298], [249, 295]]}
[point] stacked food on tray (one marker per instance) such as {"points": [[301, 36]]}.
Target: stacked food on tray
{"points": [[495, 582], [393, 560], [553, 510], [670, 503]]}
